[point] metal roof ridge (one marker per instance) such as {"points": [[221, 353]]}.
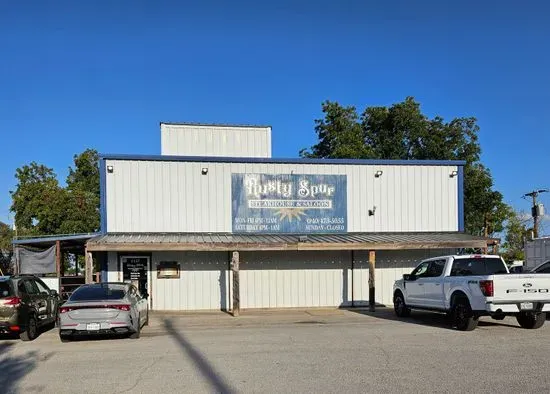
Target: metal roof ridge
{"points": [[271, 160], [46, 238], [214, 124]]}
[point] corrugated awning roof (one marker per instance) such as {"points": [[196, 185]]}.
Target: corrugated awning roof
{"points": [[229, 242]]}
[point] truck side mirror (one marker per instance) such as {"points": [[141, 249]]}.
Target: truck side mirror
{"points": [[409, 277]]}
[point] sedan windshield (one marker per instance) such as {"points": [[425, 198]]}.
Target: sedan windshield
{"points": [[98, 292]]}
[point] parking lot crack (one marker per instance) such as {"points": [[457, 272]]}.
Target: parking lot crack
{"points": [[141, 374]]}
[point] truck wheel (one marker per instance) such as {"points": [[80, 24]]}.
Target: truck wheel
{"points": [[401, 309], [531, 320], [463, 316]]}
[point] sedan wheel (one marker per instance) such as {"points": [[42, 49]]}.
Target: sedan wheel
{"points": [[137, 333]]}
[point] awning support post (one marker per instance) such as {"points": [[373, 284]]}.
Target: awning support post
{"points": [[372, 267], [88, 266], [58, 258], [236, 289]]}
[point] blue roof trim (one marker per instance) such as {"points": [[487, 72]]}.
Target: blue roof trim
{"points": [[102, 196], [209, 159], [53, 238], [461, 198]]}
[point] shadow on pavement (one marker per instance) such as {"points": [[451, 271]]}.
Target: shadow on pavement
{"points": [[14, 368], [423, 318], [207, 370]]}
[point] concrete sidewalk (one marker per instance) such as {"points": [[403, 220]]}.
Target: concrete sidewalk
{"points": [[257, 317]]}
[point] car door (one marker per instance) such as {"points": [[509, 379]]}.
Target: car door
{"points": [[415, 288], [137, 302], [45, 295], [37, 302], [433, 286]]}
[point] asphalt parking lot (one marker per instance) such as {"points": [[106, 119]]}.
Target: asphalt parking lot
{"points": [[317, 351]]}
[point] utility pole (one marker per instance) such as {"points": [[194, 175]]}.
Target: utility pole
{"points": [[536, 211]]}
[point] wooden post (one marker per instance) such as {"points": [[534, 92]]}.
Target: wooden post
{"points": [[58, 258], [236, 292], [372, 267], [16, 269], [88, 266]]}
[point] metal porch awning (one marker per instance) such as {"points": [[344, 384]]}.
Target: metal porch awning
{"points": [[126, 242]]}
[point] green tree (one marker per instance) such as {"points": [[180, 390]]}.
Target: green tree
{"points": [[85, 174], [38, 201], [516, 233], [340, 134], [6, 248], [83, 194], [43, 207], [403, 132]]}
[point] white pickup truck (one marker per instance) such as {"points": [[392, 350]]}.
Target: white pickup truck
{"points": [[467, 287]]}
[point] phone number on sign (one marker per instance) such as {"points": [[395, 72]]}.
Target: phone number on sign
{"points": [[325, 220]]}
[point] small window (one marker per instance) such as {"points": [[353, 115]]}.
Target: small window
{"points": [[478, 266], [30, 287], [42, 289], [5, 290], [544, 269], [435, 269], [98, 293], [422, 270]]}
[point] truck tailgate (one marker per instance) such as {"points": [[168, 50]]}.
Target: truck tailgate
{"points": [[521, 287]]}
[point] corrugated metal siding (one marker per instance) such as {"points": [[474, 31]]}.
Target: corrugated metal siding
{"points": [[276, 279], [223, 141], [537, 252], [203, 283], [152, 196], [294, 279]]}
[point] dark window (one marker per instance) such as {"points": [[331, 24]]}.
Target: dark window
{"points": [[97, 293], [422, 270], [545, 269], [5, 289], [30, 287], [436, 268], [478, 266]]}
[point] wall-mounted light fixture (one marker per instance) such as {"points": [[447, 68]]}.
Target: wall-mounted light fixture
{"points": [[110, 169], [372, 211], [453, 173], [204, 171], [378, 174]]}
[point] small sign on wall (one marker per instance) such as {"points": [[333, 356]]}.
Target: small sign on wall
{"points": [[168, 270]]}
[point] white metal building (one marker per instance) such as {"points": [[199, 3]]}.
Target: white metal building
{"points": [[304, 229]]}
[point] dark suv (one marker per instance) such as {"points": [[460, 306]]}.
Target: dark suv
{"points": [[26, 305]]}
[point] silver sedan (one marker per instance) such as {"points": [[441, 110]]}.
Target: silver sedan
{"points": [[103, 308]]}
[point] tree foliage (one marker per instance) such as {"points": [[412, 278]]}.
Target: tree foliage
{"points": [[83, 194], [403, 132], [39, 202], [516, 233], [43, 207], [6, 249]]}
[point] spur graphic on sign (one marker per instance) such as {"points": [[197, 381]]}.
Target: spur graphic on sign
{"points": [[289, 203]]}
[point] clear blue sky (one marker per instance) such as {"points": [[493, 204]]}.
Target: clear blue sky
{"points": [[103, 74]]}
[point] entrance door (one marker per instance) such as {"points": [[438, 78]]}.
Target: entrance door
{"points": [[135, 270]]}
